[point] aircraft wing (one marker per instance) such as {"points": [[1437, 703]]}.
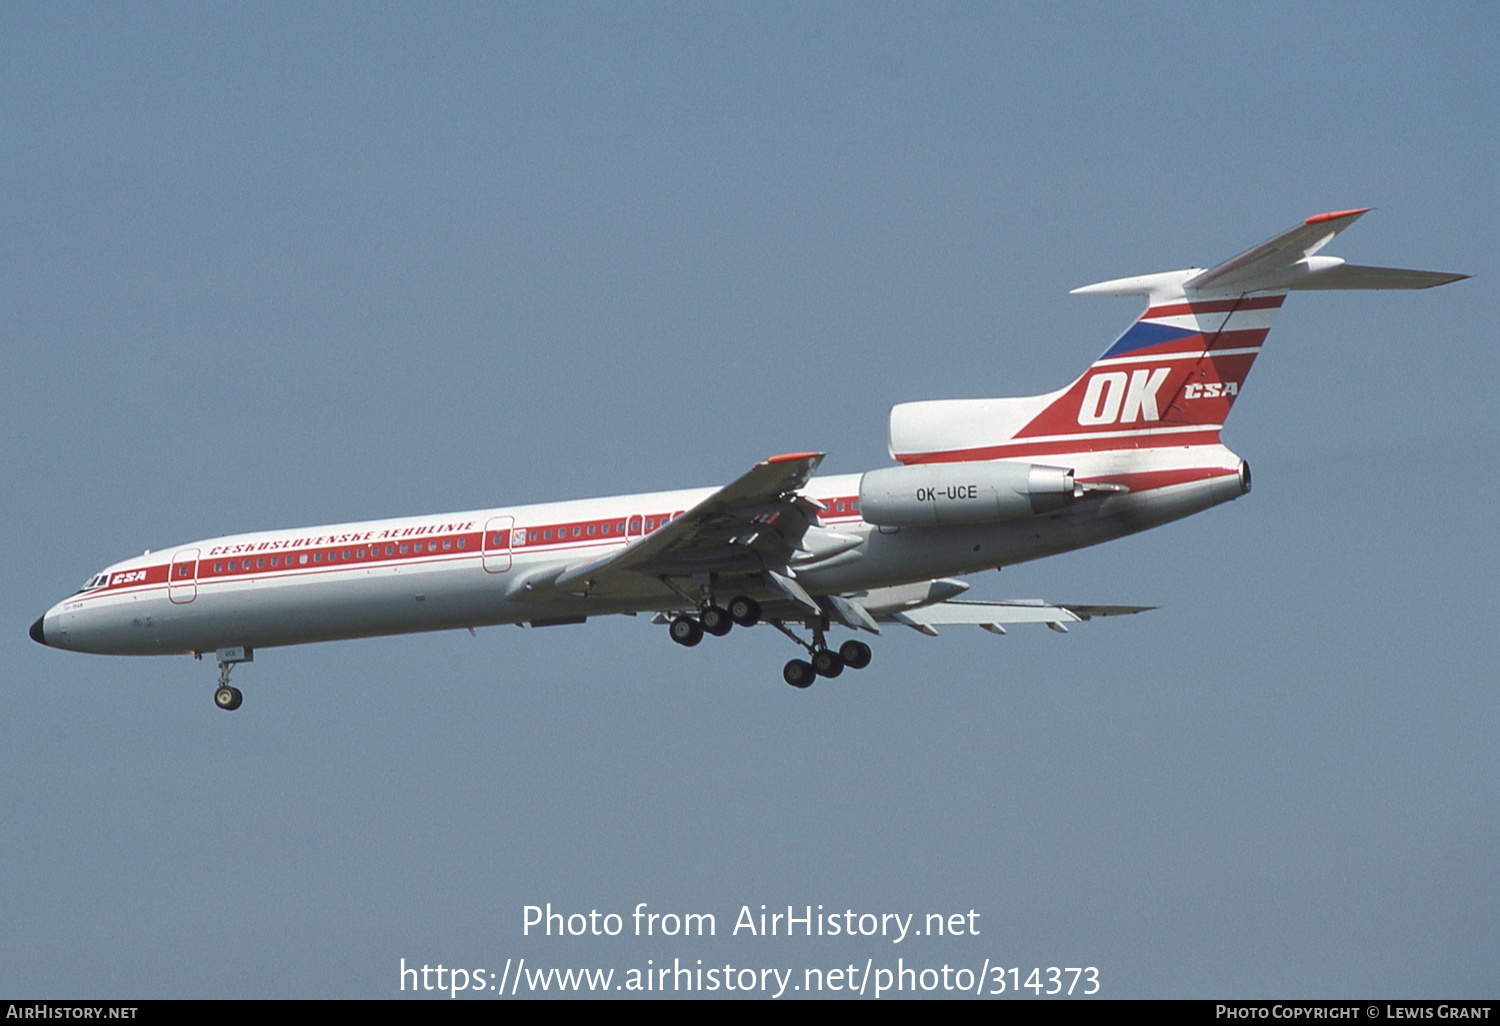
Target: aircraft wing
{"points": [[993, 616], [753, 523]]}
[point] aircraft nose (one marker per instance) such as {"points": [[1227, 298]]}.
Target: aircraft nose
{"points": [[38, 634]]}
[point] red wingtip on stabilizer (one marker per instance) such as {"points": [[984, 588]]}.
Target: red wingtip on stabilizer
{"points": [[1334, 215]]}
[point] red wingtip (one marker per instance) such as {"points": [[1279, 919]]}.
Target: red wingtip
{"points": [[1334, 215], [788, 457]]}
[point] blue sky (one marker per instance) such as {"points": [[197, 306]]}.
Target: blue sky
{"points": [[282, 264]]}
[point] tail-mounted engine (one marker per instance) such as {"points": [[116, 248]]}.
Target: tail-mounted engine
{"points": [[929, 494]]}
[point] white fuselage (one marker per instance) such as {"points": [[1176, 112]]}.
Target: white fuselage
{"points": [[471, 569]]}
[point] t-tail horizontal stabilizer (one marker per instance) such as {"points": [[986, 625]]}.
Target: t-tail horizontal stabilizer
{"points": [[1290, 261]]}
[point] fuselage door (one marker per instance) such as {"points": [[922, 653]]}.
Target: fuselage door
{"points": [[497, 544], [182, 577]]}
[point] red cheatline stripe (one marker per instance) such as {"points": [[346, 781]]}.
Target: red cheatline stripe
{"points": [[421, 549], [1066, 447]]}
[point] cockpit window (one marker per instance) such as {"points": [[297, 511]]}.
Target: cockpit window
{"points": [[96, 581]]}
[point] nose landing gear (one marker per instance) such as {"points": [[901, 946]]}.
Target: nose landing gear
{"points": [[227, 697]]}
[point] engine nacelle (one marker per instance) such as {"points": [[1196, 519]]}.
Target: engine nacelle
{"points": [[929, 494]]}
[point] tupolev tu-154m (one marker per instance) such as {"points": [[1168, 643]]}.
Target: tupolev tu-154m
{"points": [[978, 484]]}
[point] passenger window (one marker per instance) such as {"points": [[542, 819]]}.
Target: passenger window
{"points": [[260, 563], [448, 544]]}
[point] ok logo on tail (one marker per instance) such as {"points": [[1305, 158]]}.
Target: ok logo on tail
{"points": [[1111, 398]]}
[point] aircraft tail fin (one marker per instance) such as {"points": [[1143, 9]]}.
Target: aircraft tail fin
{"points": [[1173, 376]]}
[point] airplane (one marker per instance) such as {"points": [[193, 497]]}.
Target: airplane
{"points": [[978, 484]]}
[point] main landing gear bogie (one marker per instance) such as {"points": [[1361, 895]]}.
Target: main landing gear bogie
{"points": [[688, 630], [715, 619], [821, 660], [825, 662]]}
